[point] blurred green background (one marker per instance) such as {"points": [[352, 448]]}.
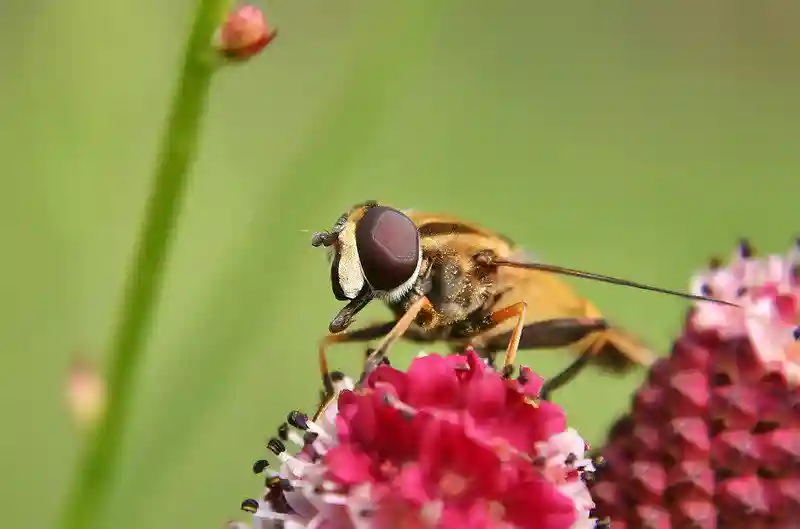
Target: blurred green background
{"points": [[627, 139]]}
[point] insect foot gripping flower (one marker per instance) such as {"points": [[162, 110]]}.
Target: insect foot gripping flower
{"points": [[244, 34], [450, 443], [713, 437]]}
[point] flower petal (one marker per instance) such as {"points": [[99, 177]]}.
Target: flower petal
{"points": [[348, 465], [432, 382]]}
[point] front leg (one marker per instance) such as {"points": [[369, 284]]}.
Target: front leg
{"points": [[389, 333], [361, 335], [397, 331]]}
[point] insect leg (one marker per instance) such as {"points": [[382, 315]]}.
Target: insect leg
{"points": [[390, 332], [558, 332], [611, 349], [614, 349], [587, 327], [517, 310], [397, 331], [566, 375], [361, 335]]}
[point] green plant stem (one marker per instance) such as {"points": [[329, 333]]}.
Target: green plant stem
{"points": [[90, 493]]}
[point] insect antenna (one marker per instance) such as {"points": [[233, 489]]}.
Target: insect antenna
{"points": [[598, 277]]}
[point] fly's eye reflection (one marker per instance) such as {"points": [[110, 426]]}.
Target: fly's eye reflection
{"points": [[388, 247]]}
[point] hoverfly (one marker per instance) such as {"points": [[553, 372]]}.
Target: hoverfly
{"points": [[445, 279]]}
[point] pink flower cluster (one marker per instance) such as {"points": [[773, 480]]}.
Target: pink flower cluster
{"points": [[448, 443], [711, 438], [768, 290]]}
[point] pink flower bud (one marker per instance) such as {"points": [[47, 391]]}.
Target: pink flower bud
{"points": [[86, 393], [244, 34]]}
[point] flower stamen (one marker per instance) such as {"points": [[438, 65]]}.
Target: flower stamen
{"points": [[276, 446], [250, 505], [260, 465]]}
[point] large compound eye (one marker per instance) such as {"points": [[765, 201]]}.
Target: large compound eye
{"points": [[388, 247]]}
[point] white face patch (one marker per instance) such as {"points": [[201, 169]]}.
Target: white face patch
{"points": [[351, 277]]}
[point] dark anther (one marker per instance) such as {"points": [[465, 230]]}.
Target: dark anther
{"points": [[283, 431], [795, 273], [717, 426], [705, 289], [366, 513], [746, 249], [523, 378], [272, 481], [766, 473], [508, 371], [721, 474], [385, 361], [715, 263], [310, 437], [605, 523], [249, 505], [539, 461], [741, 291], [276, 446], [369, 352], [298, 419], [587, 476], [668, 460], [796, 333], [721, 379], [570, 460], [337, 376], [762, 427], [260, 465], [600, 462]]}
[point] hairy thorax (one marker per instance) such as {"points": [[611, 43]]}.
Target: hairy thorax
{"points": [[459, 293]]}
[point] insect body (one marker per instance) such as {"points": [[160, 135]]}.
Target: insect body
{"points": [[449, 280]]}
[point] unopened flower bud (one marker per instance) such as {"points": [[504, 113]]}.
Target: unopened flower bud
{"points": [[244, 34], [86, 393]]}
